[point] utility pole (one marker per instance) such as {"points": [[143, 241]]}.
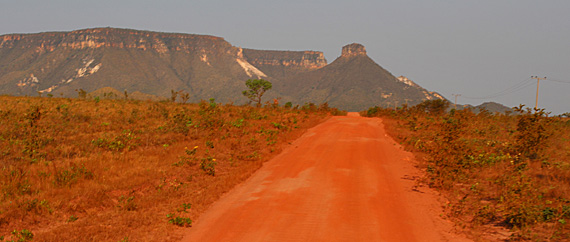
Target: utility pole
{"points": [[537, 84], [455, 103]]}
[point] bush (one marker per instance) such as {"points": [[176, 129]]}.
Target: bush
{"points": [[533, 129], [517, 164]]}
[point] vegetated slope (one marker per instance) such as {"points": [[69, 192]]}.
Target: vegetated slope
{"points": [[110, 170], [355, 82], [498, 172]]}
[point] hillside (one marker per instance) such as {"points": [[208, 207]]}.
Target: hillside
{"points": [[355, 82], [492, 107], [153, 63]]}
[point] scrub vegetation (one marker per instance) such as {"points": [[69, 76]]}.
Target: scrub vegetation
{"points": [[109, 170], [499, 172]]}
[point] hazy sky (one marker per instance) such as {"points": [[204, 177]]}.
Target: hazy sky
{"points": [[474, 48]]}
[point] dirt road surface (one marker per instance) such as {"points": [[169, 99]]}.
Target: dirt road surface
{"points": [[343, 180]]}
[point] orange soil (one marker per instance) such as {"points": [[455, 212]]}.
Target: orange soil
{"points": [[344, 180]]}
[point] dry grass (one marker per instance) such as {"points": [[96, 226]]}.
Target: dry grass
{"points": [[498, 172], [111, 170]]}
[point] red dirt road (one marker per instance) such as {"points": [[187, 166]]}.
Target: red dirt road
{"points": [[344, 180]]}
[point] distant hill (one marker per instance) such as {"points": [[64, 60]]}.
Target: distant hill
{"points": [[149, 65], [355, 82], [492, 107]]}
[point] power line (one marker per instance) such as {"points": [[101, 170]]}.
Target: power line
{"points": [[512, 89], [515, 88], [559, 81], [519, 86]]}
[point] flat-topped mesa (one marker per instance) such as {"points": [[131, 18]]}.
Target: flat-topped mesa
{"points": [[353, 49], [114, 38], [304, 59]]}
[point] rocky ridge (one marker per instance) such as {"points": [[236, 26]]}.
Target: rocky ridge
{"points": [[301, 59], [114, 38], [353, 49]]}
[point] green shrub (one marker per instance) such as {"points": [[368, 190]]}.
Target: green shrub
{"points": [[208, 165], [22, 236], [179, 221], [533, 129]]}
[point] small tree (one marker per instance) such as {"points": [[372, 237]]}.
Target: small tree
{"points": [[533, 130], [81, 93], [173, 95], [184, 96], [257, 87], [434, 107]]}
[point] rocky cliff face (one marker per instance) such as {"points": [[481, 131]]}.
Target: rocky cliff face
{"points": [[302, 59], [411, 84], [115, 38], [353, 49], [280, 66]]}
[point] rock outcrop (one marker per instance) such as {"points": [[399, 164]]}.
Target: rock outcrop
{"points": [[281, 65], [302, 59], [114, 38], [353, 49]]}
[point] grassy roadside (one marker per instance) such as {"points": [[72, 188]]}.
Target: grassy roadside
{"points": [[498, 172], [117, 170]]}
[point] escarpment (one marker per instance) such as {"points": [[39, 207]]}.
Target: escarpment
{"points": [[283, 64], [113, 38], [300, 59]]}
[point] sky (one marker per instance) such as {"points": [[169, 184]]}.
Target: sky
{"points": [[485, 50]]}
